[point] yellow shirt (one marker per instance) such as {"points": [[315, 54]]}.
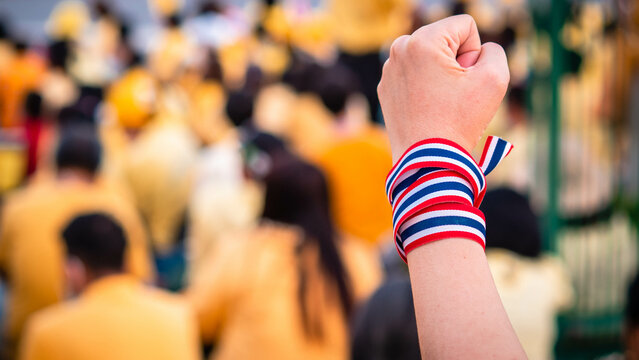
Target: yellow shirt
{"points": [[248, 301], [364, 26], [533, 292], [158, 169], [31, 247], [115, 318], [356, 168]]}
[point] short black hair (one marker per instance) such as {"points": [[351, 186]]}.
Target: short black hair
{"points": [[511, 223], [239, 108], [59, 53], [210, 6], [335, 86], [33, 105], [20, 45], [79, 148], [173, 21], [97, 240]]}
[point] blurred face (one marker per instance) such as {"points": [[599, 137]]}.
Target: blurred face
{"points": [[76, 276]]}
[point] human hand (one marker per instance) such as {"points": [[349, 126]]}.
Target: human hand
{"points": [[441, 82]]}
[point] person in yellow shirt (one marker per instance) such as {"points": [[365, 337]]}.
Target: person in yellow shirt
{"points": [[32, 220], [355, 164], [361, 29], [115, 316], [285, 289]]}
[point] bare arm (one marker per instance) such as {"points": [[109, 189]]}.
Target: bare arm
{"points": [[440, 82], [459, 313]]}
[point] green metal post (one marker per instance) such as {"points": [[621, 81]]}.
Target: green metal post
{"points": [[554, 128]]}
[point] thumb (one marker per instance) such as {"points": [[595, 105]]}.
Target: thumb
{"points": [[492, 66]]}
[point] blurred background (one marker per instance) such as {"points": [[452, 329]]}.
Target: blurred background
{"points": [[189, 102]]}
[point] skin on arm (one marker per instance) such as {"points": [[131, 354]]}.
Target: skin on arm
{"points": [[458, 310], [442, 82]]}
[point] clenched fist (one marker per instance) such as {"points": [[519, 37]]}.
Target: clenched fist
{"points": [[441, 82]]}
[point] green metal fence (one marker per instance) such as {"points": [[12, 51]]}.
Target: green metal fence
{"points": [[581, 146]]}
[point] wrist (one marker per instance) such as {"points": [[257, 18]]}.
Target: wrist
{"points": [[462, 141], [435, 189]]}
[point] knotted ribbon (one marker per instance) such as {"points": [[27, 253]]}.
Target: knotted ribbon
{"points": [[435, 190]]}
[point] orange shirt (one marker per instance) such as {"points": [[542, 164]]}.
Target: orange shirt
{"points": [[31, 247], [27, 71], [115, 318], [356, 168], [248, 301]]}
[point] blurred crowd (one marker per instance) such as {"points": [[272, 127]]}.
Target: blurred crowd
{"points": [[214, 187]]}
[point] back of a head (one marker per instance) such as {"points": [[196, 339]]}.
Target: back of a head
{"points": [[385, 327], [33, 106], [239, 108], [335, 86], [59, 53], [297, 194], [20, 46], [302, 73], [102, 9], [79, 149], [173, 21], [210, 7], [97, 240], [510, 223], [4, 28]]}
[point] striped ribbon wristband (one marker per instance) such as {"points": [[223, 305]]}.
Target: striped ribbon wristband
{"points": [[435, 190]]}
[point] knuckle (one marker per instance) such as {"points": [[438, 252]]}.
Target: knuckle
{"points": [[380, 88], [414, 46], [395, 47], [498, 75]]}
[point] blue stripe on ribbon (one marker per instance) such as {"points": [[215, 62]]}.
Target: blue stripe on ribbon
{"points": [[411, 179], [417, 196], [500, 148], [442, 221], [436, 152]]}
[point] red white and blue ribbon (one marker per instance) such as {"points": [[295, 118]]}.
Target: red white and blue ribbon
{"points": [[435, 190]]}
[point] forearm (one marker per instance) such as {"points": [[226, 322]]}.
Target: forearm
{"points": [[458, 310], [439, 90]]}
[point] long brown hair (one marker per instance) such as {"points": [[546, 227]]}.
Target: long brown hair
{"points": [[297, 194]]}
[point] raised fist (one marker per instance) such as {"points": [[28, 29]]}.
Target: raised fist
{"points": [[442, 82]]}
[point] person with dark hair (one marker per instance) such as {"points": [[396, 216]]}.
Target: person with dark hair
{"points": [[283, 287], [335, 87], [37, 132], [357, 150], [134, 321], [219, 180], [239, 108], [79, 151], [58, 87], [32, 222], [534, 287], [385, 328], [172, 48], [362, 29]]}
